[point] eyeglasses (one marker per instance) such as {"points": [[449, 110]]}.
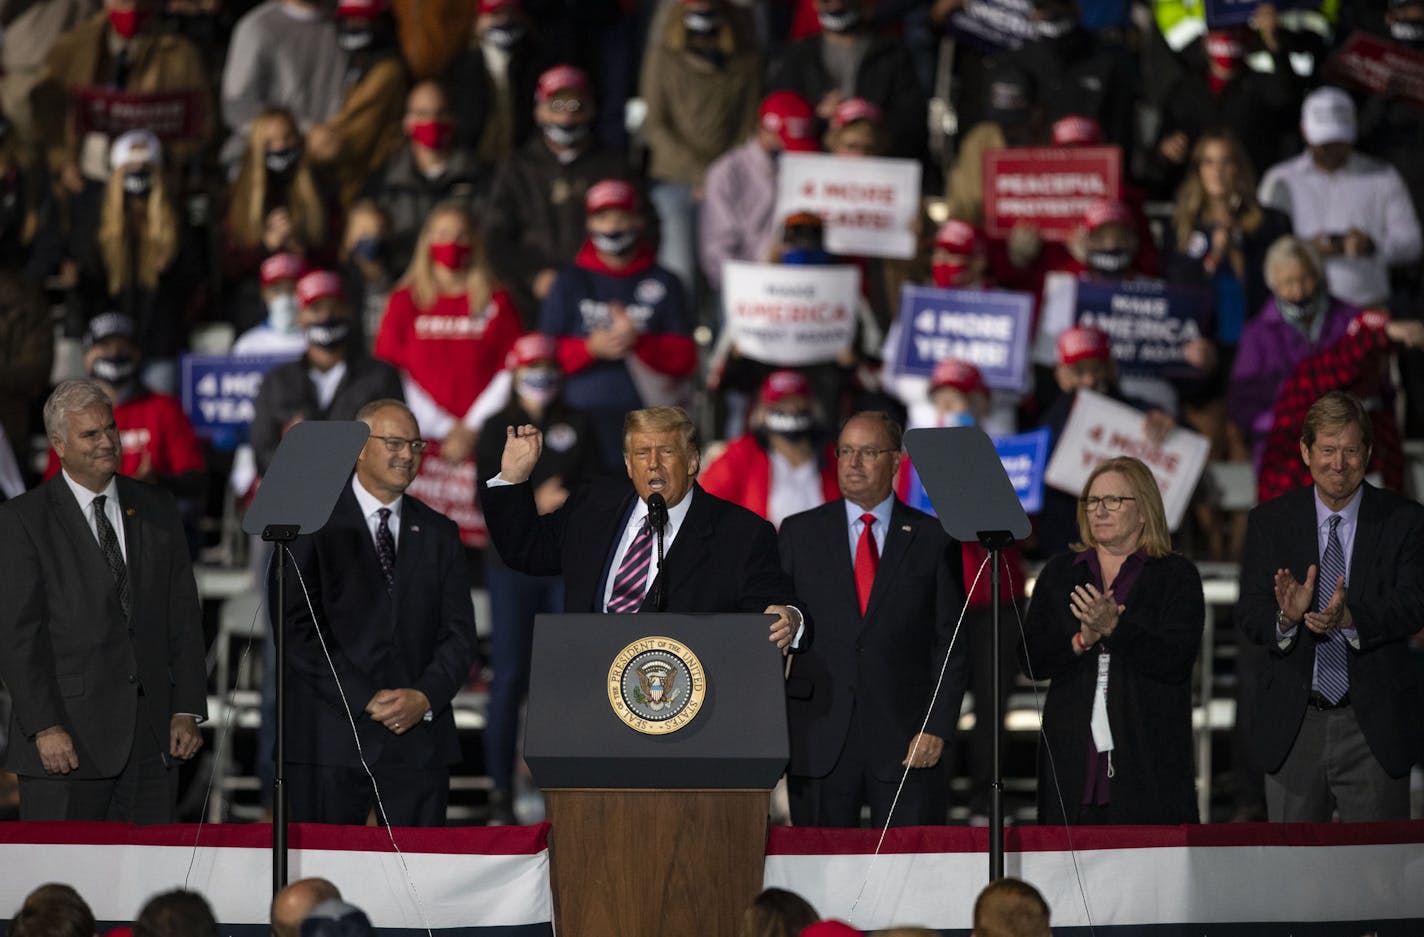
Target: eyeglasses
{"points": [[866, 453], [395, 444], [1111, 502]]}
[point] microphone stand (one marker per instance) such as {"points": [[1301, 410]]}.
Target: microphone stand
{"points": [[658, 517]]}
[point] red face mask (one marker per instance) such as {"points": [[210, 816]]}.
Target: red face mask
{"points": [[948, 276], [451, 255], [434, 134], [1225, 53], [127, 23]]}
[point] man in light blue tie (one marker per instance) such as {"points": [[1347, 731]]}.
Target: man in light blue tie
{"points": [[1332, 584]]}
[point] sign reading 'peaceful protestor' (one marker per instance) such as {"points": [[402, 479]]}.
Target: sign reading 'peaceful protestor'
{"points": [[987, 328], [169, 115], [1379, 66], [790, 315], [1149, 322], [1048, 188], [869, 205], [1099, 428]]}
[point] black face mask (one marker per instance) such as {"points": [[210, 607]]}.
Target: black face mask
{"points": [[1303, 313], [566, 134], [792, 426], [354, 38], [1109, 262], [282, 163], [839, 21], [138, 182], [329, 334], [504, 37], [617, 243], [702, 24], [1407, 32], [116, 369]]}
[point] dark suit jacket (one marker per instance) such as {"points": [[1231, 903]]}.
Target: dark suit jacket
{"points": [[885, 664], [1149, 696], [423, 638], [723, 560], [1385, 598], [68, 657]]}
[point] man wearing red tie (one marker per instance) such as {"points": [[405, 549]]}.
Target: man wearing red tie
{"points": [[885, 586]]}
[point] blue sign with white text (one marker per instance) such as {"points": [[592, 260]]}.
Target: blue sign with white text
{"points": [[987, 328], [1025, 459], [220, 391], [1236, 12], [1150, 323]]}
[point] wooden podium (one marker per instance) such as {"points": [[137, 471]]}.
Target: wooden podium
{"points": [[660, 831]]}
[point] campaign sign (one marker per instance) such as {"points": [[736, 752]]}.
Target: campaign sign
{"points": [[449, 487], [1099, 428], [1148, 321], [1374, 64], [1235, 12], [869, 205], [219, 392], [790, 315], [170, 115], [1049, 188], [987, 328], [1025, 459], [995, 24]]}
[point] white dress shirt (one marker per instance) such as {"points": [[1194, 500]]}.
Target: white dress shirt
{"points": [[371, 510], [878, 530], [794, 488], [326, 382], [112, 509], [676, 515]]}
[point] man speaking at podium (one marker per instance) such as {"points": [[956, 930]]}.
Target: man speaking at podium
{"points": [[718, 557]]}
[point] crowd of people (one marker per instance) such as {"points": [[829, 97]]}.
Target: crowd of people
{"points": [[452, 221], [314, 907]]}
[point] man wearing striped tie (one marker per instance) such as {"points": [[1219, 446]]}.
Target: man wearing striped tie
{"points": [[718, 556], [1332, 584]]}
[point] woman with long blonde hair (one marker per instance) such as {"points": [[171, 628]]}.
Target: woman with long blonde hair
{"points": [[275, 204], [448, 327]]}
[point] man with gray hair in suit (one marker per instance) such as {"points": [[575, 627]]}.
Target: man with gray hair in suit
{"points": [[102, 630]]}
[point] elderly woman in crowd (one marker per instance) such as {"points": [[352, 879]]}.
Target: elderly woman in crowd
{"points": [[1115, 624]]}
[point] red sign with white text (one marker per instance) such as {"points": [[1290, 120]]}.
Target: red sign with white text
{"points": [[1048, 188], [1379, 66], [449, 487]]}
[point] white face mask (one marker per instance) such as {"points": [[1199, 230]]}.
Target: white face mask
{"points": [[282, 313]]}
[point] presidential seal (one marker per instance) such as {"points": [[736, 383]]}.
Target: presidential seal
{"points": [[656, 685]]}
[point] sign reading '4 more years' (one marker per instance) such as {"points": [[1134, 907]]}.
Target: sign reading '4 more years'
{"points": [[219, 393], [987, 328], [1099, 428], [869, 205]]}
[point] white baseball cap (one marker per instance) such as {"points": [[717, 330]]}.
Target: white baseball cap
{"points": [[1327, 116], [135, 146]]}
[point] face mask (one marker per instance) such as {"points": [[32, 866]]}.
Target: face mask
{"points": [[806, 256], [328, 334], [702, 24], [957, 419], [354, 38], [504, 37], [281, 162], [138, 182], [538, 386], [1055, 28], [434, 134], [839, 21], [282, 313], [948, 275], [117, 369], [127, 23], [1108, 262], [1304, 313], [789, 425], [451, 255], [565, 134], [371, 250], [616, 243], [1409, 32]]}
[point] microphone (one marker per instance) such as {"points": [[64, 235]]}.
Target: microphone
{"points": [[657, 512]]}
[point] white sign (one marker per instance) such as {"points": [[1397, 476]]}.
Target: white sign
{"points": [[1099, 428], [869, 205], [790, 315]]}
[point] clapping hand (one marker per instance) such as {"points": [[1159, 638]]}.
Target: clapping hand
{"points": [[1097, 611], [1293, 598], [1332, 616]]}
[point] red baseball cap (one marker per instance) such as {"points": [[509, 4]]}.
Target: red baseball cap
{"points": [[959, 237], [365, 8], [496, 6], [853, 109], [562, 78], [530, 349], [790, 117], [961, 375], [1077, 130], [829, 929], [784, 383], [319, 284], [1107, 212], [1084, 343], [610, 193], [281, 267]]}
